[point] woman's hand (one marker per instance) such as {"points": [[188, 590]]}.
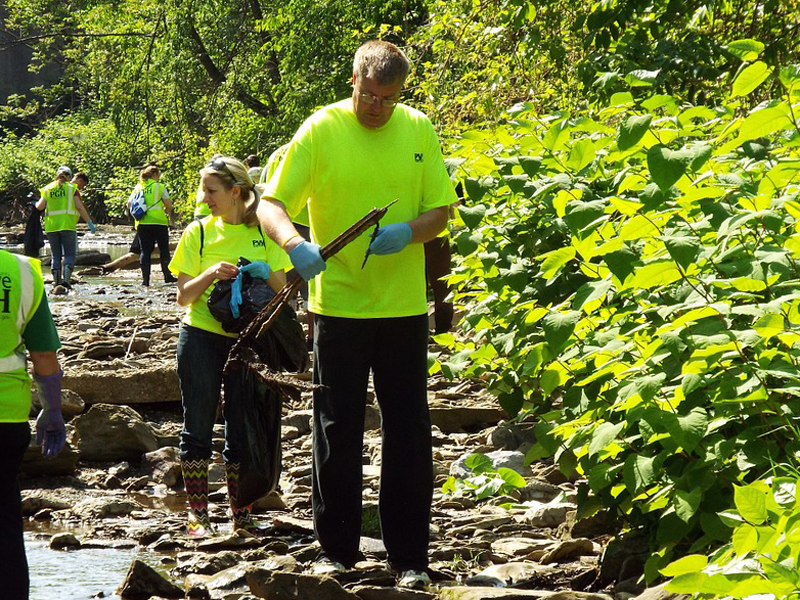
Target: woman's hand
{"points": [[223, 270], [191, 288]]}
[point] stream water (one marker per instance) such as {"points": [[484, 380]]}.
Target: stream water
{"points": [[77, 574]]}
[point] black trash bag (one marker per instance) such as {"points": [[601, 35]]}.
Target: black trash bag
{"points": [[33, 240], [256, 294], [261, 446]]}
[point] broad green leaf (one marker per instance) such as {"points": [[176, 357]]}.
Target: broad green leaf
{"points": [[746, 50], [511, 477], [666, 166], [555, 260], [750, 78], [684, 250], [641, 77], [686, 503], [638, 472], [790, 78], [769, 325], [552, 377], [603, 435], [579, 214], [687, 430], [621, 263], [581, 155], [479, 463], [751, 503], [632, 130], [472, 215], [654, 274], [530, 164], [626, 207], [744, 539], [764, 121], [692, 563], [558, 328], [476, 187], [688, 583]]}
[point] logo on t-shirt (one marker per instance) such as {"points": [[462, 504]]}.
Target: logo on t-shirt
{"points": [[259, 244], [417, 156]]}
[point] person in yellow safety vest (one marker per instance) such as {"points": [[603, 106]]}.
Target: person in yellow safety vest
{"points": [[62, 205], [25, 324], [153, 228]]}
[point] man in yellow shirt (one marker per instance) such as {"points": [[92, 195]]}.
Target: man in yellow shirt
{"points": [[365, 151]]}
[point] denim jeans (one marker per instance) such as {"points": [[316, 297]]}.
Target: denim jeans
{"points": [[14, 439], [396, 351], [201, 358], [63, 243]]}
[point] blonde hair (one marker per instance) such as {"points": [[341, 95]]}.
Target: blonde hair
{"points": [[149, 172], [235, 173], [381, 60]]}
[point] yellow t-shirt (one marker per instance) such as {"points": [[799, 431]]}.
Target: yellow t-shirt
{"points": [[222, 241], [344, 170]]}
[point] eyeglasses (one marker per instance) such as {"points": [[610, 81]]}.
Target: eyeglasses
{"points": [[384, 102]]}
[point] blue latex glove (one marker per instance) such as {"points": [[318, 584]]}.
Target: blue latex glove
{"points": [[257, 268], [391, 239], [307, 260], [236, 295], [51, 433], [92, 227]]}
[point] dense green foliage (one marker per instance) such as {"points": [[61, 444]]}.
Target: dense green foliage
{"points": [[627, 251], [763, 558], [631, 280]]}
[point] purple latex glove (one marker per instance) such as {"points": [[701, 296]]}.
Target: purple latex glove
{"points": [[307, 260], [51, 433], [391, 239]]}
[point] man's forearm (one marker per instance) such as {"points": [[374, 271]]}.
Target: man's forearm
{"points": [[428, 225]]}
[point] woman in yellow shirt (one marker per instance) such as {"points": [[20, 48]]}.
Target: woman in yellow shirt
{"points": [[208, 252]]}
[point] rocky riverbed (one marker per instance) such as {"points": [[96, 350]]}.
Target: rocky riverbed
{"points": [[118, 482]]}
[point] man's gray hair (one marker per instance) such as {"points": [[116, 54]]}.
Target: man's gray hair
{"points": [[382, 61]]}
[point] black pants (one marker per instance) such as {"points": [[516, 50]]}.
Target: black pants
{"points": [[396, 351], [149, 236], [14, 439]]}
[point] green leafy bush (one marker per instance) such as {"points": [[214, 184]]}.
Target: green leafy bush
{"points": [[629, 276], [763, 558], [486, 481]]}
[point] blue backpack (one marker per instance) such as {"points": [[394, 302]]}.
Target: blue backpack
{"points": [[137, 204]]}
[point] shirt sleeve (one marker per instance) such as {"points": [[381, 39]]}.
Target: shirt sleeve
{"points": [[438, 188], [40, 333], [187, 254], [164, 193], [291, 183]]}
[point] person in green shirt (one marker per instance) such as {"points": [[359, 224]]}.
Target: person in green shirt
{"points": [[364, 151], [153, 227], [62, 204], [25, 324], [207, 252]]}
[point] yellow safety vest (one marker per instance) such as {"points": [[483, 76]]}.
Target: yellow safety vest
{"points": [[21, 290], [155, 214], [60, 214]]}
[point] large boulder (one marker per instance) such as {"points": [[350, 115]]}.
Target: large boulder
{"points": [[144, 582], [164, 465], [158, 383], [109, 433]]}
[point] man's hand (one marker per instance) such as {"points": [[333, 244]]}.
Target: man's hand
{"points": [[391, 239], [51, 433], [307, 260], [92, 227]]}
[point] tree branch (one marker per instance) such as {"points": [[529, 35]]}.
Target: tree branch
{"points": [[15, 41]]}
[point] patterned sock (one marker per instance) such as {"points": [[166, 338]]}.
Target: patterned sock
{"points": [[242, 519], [195, 480]]}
